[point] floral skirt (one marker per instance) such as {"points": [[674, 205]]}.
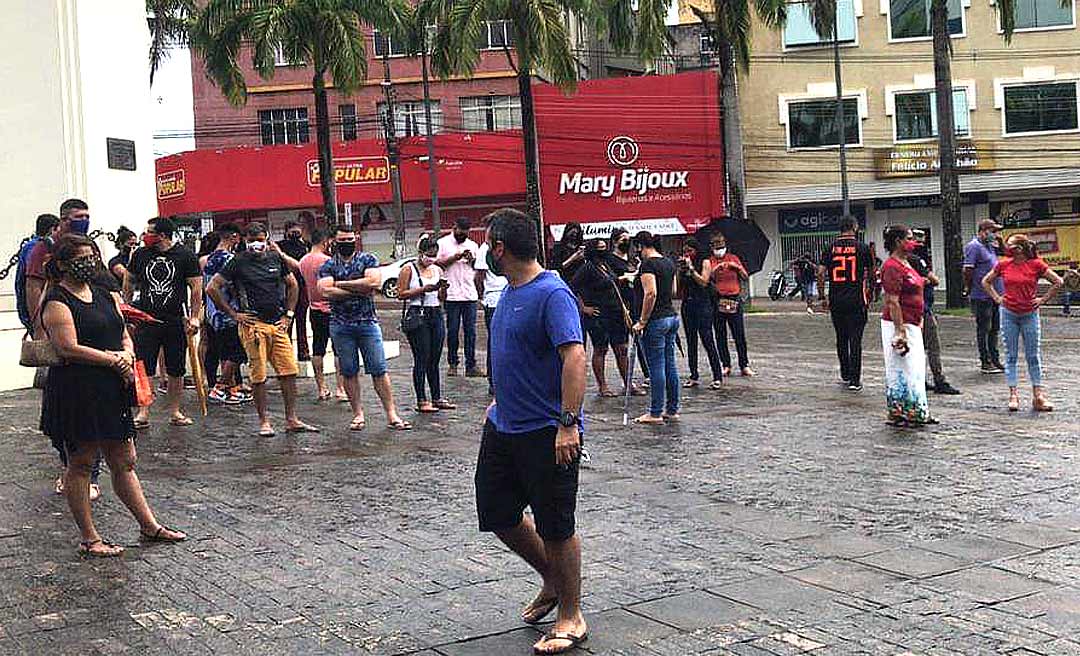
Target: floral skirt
{"points": [[905, 376]]}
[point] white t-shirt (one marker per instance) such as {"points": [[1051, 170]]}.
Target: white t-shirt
{"points": [[460, 274], [493, 284]]}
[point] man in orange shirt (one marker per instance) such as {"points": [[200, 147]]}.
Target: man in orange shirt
{"points": [[727, 276]]}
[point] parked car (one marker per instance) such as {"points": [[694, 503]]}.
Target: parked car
{"points": [[390, 273]]}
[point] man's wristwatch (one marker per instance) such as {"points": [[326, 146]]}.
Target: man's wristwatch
{"points": [[568, 419]]}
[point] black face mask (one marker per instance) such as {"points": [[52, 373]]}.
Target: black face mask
{"points": [[623, 246], [461, 238], [293, 236], [345, 249]]}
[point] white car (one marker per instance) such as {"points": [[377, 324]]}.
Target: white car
{"points": [[390, 273]]}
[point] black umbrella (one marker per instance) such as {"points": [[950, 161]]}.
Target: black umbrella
{"points": [[744, 238]]}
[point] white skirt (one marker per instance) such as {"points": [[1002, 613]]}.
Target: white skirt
{"points": [[905, 375]]}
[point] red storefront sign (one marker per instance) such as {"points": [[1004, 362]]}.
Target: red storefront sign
{"points": [[643, 152]]}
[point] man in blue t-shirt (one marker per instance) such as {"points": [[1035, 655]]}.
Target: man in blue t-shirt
{"points": [[349, 281], [531, 446], [980, 258]]}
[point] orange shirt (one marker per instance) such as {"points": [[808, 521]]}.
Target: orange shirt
{"points": [[726, 281]]}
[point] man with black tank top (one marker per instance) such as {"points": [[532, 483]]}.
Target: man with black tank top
{"points": [[847, 264]]}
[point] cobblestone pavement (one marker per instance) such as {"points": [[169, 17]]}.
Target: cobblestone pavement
{"points": [[781, 516]]}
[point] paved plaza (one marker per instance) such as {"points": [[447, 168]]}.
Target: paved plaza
{"points": [[782, 516]]}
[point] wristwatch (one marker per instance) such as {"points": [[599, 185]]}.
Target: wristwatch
{"points": [[568, 419]]}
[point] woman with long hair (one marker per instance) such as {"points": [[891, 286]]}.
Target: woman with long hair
{"points": [[658, 326], [901, 332], [624, 267], [86, 404], [420, 284], [1021, 270], [603, 314], [697, 313], [569, 254]]}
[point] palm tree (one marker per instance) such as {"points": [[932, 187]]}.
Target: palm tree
{"points": [[169, 21], [327, 33], [948, 178], [542, 46]]}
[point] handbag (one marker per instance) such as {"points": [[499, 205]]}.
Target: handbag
{"points": [[727, 305], [144, 394], [39, 352], [411, 315]]}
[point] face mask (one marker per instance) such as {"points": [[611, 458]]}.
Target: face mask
{"points": [[426, 260], [623, 246], [80, 226], [910, 245], [461, 238], [719, 252], [990, 238], [83, 268], [293, 236], [150, 240], [257, 246], [493, 264], [345, 248]]}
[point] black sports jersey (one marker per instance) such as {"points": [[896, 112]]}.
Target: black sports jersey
{"points": [[848, 266]]}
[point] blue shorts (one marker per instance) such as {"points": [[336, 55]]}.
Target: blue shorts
{"points": [[355, 341]]}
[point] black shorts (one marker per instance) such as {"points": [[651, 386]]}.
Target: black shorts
{"points": [[227, 342], [320, 332], [608, 329], [152, 338], [518, 470]]}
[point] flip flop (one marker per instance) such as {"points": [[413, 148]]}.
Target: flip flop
{"points": [[142, 424], [428, 410], [267, 432], [180, 421], [157, 536], [608, 394], [443, 404], [716, 385], [84, 549], [302, 428], [357, 425], [574, 640], [399, 425], [541, 610], [654, 421], [325, 396]]}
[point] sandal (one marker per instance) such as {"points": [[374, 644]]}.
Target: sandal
{"points": [[59, 487], [142, 424], [267, 432], [180, 421], [716, 385], [649, 420], [443, 404], [607, 394], [691, 383], [325, 395], [574, 640], [541, 608], [399, 425], [301, 428], [426, 408], [157, 536], [86, 549], [95, 491], [357, 425]]}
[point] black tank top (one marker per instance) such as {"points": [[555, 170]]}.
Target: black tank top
{"points": [[98, 324]]}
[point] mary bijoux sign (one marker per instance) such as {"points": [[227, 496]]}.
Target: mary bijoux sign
{"points": [[622, 162]]}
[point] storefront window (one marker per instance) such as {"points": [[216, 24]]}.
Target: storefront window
{"points": [[284, 126], [1047, 107], [916, 115], [487, 113], [409, 118], [910, 19], [1040, 14], [799, 29], [812, 123]]}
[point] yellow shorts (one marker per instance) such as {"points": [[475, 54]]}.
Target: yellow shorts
{"points": [[267, 342]]}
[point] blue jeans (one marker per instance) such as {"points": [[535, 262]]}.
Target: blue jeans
{"points": [[1068, 298], [458, 313], [658, 341], [353, 341], [1013, 326]]}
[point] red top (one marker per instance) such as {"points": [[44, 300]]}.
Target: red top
{"points": [[1021, 282], [900, 279], [726, 280], [39, 257]]}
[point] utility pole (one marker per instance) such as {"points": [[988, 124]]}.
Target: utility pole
{"points": [[433, 174], [394, 155]]}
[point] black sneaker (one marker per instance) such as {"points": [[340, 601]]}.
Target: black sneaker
{"points": [[989, 368], [947, 389], [854, 387], [999, 367]]}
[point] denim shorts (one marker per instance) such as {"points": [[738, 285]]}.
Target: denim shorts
{"points": [[355, 341]]}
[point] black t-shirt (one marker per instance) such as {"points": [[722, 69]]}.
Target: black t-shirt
{"points": [[259, 283], [664, 271], [692, 291], [294, 248], [848, 265], [561, 253], [160, 281], [595, 282]]}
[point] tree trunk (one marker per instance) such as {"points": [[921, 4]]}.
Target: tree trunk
{"points": [[732, 127], [841, 124], [949, 181], [326, 154], [532, 157]]}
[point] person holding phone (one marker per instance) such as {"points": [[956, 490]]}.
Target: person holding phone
{"points": [[457, 253], [901, 333], [420, 286]]}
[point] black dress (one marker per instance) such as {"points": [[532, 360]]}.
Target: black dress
{"points": [[84, 402]]}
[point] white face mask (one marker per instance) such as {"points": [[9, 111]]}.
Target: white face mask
{"points": [[257, 246], [719, 252]]}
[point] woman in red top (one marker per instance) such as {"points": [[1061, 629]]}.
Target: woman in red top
{"points": [[901, 333], [726, 273], [1020, 304]]}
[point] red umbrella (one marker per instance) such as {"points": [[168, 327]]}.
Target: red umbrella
{"points": [[135, 315]]}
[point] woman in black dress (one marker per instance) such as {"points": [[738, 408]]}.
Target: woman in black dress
{"points": [[86, 405]]}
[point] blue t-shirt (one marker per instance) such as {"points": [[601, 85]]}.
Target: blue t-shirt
{"points": [[215, 262], [20, 282], [531, 322], [981, 259], [357, 309]]}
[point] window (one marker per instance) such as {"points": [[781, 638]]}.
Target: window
{"points": [[916, 115], [284, 126], [707, 46], [281, 60], [1047, 107], [409, 119], [910, 19], [497, 35], [487, 113], [1042, 14], [387, 45], [348, 122], [812, 123], [799, 29]]}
